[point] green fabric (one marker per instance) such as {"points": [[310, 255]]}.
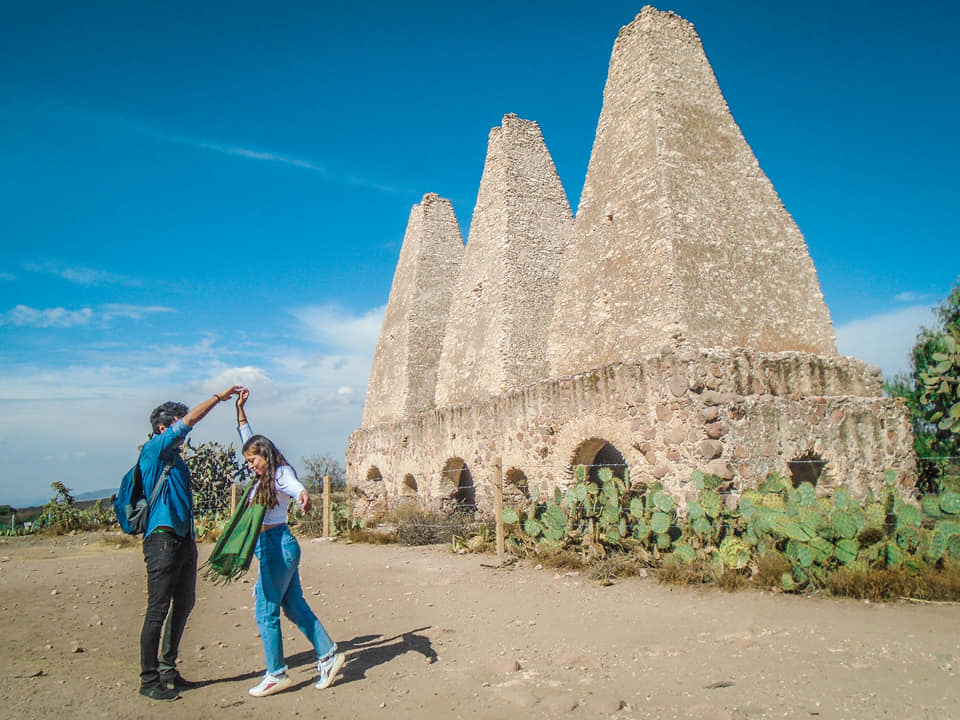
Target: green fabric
{"points": [[233, 552]]}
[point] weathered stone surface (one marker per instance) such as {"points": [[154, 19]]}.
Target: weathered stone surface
{"points": [[504, 298], [710, 448], [716, 430], [678, 385], [676, 434], [673, 183], [590, 411], [403, 377], [709, 414], [720, 468]]}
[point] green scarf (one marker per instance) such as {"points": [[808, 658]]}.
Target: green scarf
{"points": [[233, 552]]}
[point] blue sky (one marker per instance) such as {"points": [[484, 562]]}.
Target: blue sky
{"points": [[194, 194]]}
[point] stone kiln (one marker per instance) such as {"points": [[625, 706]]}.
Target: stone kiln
{"points": [[675, 324]]}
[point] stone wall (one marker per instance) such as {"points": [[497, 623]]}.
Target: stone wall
{"points": [[737, 414]]}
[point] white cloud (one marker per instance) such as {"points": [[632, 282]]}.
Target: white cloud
{"points": [[885, 340], [131, 312], [910, 297], [306, 395], [24, 316], [83, 275], [338, 328], [256, 155], [6, 277], [248, 376], [58, 317]]}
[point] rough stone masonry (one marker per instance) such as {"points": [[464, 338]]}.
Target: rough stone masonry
{"points": [[676, 323]]}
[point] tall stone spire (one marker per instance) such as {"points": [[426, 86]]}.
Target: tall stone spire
{"points": [[403, 377], [495, 339], [679, 235]]}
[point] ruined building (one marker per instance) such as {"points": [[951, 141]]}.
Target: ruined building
{"points": [[675, 324]]}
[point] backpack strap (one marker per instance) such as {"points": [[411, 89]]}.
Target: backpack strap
{"points": [[160, 483]]}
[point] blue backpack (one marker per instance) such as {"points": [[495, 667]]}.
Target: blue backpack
{"points": [[131, 504]]}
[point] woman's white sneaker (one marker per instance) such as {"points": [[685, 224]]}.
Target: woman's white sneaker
{"points": [[328, 668], [271, 684]]}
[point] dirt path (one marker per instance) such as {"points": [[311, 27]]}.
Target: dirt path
{"points": [[436, 635]]}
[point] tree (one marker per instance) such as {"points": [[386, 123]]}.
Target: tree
{"points": [[930, 391], [315, 467], [213, 469]]}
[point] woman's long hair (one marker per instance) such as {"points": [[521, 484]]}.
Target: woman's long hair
{"points": [[266, 494]]}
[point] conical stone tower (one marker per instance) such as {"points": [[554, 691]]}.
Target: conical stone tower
{"points": [[688, 330], [403, 377], [679, 237], [504, 297]]}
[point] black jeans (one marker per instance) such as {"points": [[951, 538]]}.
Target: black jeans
{"points": [[171, 588]]}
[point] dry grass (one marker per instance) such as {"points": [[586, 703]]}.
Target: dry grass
{"points": [[735, 580], [372, 536], [894, 583], [622, 565], [698, 572], [770, 570]]}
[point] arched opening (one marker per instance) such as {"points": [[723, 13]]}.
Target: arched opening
{"points": [[409, 485], [809, 467], [374, 492], [516, 487], [461, 495], [597, 453]]}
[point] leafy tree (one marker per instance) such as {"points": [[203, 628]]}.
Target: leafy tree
{"points": [[315, 467], [930, 391]]}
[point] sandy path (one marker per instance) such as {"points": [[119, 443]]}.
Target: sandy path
{"points": [[436, 635]]}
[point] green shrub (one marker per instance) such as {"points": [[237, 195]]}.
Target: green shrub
{"points": [[777, 536]]}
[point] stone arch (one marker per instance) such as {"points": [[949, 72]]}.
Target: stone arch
{"points": [[516, 487], [408, 488], [373, 494], [808, 467], [597, 453], [459, 495]]}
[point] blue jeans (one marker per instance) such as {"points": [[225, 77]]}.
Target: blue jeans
{"points": [[278, 587]]}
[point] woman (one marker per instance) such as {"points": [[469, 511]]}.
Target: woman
{"points": [[278, 585]]}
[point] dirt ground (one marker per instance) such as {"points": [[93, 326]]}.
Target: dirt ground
{"points": [[431, 634]]}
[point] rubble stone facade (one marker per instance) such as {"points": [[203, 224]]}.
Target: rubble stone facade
{"points": [[675, 324]]}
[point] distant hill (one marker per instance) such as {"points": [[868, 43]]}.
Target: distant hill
{"points": [[86, 498], [96, 494]]}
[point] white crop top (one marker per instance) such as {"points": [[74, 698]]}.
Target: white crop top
{"points": [[288, 486]]}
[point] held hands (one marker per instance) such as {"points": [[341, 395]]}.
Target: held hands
{"points": [[242, 396], [232, 390]]}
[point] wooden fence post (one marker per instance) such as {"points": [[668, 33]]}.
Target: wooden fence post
{"points": [[498, 502], [233, 498], [326, 506]]}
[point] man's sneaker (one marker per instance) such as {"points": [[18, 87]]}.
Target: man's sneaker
{"points": [[173, 680], [156, 691], [271, 684], [328, 668]]}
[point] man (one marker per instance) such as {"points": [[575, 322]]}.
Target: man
{"points": [[169, 549]]}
